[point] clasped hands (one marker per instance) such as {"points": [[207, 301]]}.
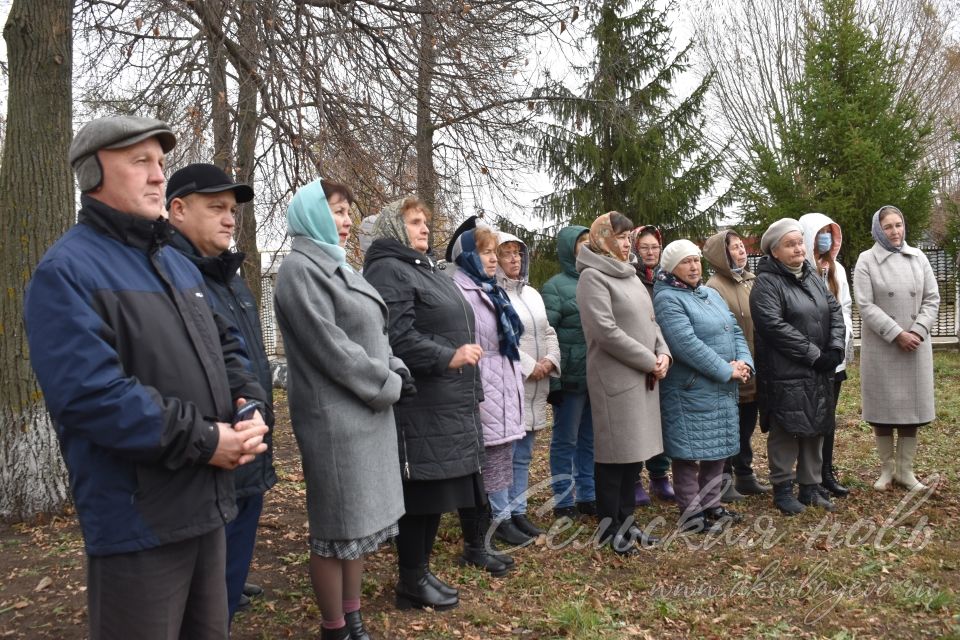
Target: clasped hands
{"points": [[240, 443], [741, 371]]}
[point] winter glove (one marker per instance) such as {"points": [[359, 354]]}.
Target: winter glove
{"points": [[555, 397], [828, 360], [407, 388]]}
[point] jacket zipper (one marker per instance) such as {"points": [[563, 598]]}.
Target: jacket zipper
{"points": [[536, 342], [406, 458], [473, 387]]}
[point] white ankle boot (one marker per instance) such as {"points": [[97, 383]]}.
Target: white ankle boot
{"points": [[903, 473], [887, 464]]}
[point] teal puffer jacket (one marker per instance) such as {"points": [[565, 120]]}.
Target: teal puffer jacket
{"points": [[560, 298], [698, 400]]}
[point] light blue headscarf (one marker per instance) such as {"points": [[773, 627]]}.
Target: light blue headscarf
{"points": [[309, 215]]}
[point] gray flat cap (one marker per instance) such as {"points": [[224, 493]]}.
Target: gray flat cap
{"points": [[114, 132]]}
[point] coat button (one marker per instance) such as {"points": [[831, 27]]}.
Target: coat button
{"points": [[913, 316], [726, 327], [890, 294], [913, 294]]}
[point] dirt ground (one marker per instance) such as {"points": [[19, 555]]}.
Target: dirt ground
{"points": [[821, 575]]}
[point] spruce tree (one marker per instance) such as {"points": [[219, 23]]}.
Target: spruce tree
{"points": [[623, 142], [857, 142]]}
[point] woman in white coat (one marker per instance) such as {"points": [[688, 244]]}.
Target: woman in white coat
{"points": [[897, 294], [823, 239], [539, 361]]}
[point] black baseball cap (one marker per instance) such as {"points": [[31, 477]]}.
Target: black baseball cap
{"points": [[205, 178]]}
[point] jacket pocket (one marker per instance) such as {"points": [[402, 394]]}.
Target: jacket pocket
{"points": [[617, 378]]}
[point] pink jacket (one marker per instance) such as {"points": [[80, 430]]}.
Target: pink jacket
{"points": [[501, 412]]}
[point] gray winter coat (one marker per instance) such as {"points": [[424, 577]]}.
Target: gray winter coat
{"points": [[623, 343], [341, 390], [896, 292]]}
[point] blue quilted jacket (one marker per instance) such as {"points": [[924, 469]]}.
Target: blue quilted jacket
{"points": [[698, 400]]}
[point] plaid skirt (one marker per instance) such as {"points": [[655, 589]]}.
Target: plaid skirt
{"points": [[352, 549]]}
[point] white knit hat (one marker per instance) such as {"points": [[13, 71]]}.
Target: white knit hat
{"points": [[676, 251], [771, 237]]}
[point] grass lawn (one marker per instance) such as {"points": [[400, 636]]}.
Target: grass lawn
{"points": [[884, 565]]}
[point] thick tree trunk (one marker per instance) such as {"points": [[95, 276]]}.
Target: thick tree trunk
{"points": [[248, 122], [36, 207], [426, 172]]}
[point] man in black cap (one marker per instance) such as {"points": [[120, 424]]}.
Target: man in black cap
{"points": [[142, 380], [202, 203]]}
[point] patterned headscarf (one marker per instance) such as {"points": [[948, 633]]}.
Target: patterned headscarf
{"points": [[309, 215], [603, 241], [509, 326], [876, 230], [390, 224]]}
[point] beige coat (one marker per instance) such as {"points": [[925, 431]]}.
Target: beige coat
{"points": [[735, 291], [896, 292], [623, 342]]}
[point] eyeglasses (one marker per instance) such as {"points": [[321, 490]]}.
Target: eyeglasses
{"points": [[510, 255]]}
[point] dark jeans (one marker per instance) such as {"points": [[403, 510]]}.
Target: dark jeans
{"points": [[241, 536], [741, 463], [614, 484], [829, 436], [169, 592]]}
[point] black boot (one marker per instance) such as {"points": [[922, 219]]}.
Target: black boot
{"points": [[343, 633], [749, 485], [831, 484], [811, 496], [439, 584], [414, 591], [509, 533], [355, 625], [475, 522], [784, 499], [827, 472], [523, 523]]}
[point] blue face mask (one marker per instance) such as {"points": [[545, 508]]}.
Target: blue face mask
{"points": [[824, 242]]}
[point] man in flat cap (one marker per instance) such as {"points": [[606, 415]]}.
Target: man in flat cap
{"points": [[202, 202], [142, 380]]}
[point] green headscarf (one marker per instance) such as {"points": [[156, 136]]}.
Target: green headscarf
{"points": [[309, 215]]}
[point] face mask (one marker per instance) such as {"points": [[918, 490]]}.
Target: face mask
{"points": [[824, 242]]}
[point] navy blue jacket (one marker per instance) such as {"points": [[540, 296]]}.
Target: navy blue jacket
{"points": [[230, 296], [135, 369]]}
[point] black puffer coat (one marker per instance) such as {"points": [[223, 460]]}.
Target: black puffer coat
{"points": [[794, 322], [439, 428]]}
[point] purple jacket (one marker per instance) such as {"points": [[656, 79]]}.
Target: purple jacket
{"points": [[501, 412]]}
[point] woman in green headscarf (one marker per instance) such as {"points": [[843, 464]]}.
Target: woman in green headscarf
{"points": [[343, 382]]}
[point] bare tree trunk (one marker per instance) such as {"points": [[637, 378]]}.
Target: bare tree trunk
{"points": [[36, 207], [248, 122], [217, 65], [426, 172]]}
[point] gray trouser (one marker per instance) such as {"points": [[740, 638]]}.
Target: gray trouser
{"points": [[785, 450], [175, 591], [697, 484]]}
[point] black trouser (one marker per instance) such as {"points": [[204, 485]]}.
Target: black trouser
{"points": [[615, 501], [741, 463], [829, 436], [173, 591], [415, 539]]}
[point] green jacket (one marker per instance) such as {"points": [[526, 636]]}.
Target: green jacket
{"points": [[560, 299]]}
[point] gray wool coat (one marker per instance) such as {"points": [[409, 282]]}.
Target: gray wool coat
{"points": [[623, 342], [341, 389], [896, 292]]}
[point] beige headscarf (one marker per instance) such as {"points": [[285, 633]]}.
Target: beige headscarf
{"points": [[603, 241], [390, 224]]}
